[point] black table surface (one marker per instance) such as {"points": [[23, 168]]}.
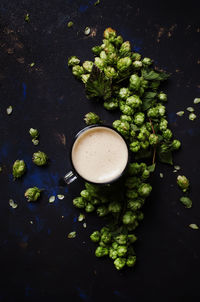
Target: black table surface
{"points": [[37, 261]]}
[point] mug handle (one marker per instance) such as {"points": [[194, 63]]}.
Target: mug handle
{"points": [[69, 177]]}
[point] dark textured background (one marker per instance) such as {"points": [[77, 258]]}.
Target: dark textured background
{"points": [[37, 261]]}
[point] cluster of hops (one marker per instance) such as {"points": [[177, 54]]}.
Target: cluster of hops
{"points": [[125, 80], [124, 208]]}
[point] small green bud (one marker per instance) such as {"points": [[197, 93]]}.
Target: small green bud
{"points": [[92, 118], [131, 260], [89, 208], [167, 134], [112, 105], [153, 112], [125, 49], [19, 168], [121, 250], [99, 63], [120, 239], [96, 50], [134, 82], [123, 64], [175, 144], [85, 77], [134, 101], [95, 236], [40, 158], [129, 218], [146, 61], [113, 254], [126, 118], [124, 93], [110, 34], [144, 190], [106, 237], [101, 251], [87, 65], [183, 182], [153, 139], [186, 201], [77, 71], [32, 194], [161, 109], [135, 146], [79, 202], [102, 211], [132, 238], [139, 118], [34, 133], [110, 72], [73, 60], [137, 64], [120, 263], [136, 56], [118, 41], [162, 97], [163, 124], [115, 207]]}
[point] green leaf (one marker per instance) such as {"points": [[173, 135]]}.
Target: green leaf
{"points": [[152, 75], [165, 157], [98, 86], [148, 100], [151, 168], [143, 154]]}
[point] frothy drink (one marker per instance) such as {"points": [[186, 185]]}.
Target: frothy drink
{"points": [[99, 155]]}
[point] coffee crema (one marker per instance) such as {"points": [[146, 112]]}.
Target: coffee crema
{"points": [[99, 155]]}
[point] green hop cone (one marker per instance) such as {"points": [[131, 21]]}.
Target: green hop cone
{"points": [[19, 168], [120, 263], [32, 194], [87, 65], [124, 93], [135, 146], [95, 236], [77, 71], [101, 251], [113, 254], [96, 50], [162, 97], [120, 239], [125, 49], [153, 139], [92, 118], [146, 61], [134, 82], [40, 158], [73, 60], [34, 133], [176, 144], [131, 260], [129, 218], [110, 34], [123, 64], [121, 250], [144, 190], [79, 202], [136, 56], [183, 182], [139, 118]]}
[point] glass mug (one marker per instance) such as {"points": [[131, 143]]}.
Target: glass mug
{"points": [[99, 155]]}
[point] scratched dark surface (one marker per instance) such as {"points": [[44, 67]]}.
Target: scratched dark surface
{"points": [[37, 261]]}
